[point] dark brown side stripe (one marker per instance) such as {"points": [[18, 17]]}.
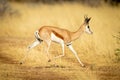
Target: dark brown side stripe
{"points": [[58, 35]]}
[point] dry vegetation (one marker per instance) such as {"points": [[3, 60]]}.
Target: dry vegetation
{"points": [[96, 51]]}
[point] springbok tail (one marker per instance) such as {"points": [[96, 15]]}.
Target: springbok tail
{"points": [[37, 36]]}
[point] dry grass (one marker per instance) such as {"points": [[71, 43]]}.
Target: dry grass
{"points": [[96, 51]]}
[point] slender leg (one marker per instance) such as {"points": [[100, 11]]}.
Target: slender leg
{"points": [[62, 44], [74, 52], [35, 43], [48, 42]]}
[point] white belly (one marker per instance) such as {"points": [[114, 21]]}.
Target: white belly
{"points": [[56, 39]]}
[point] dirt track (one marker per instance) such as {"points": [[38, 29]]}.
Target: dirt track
{"points": [[10, 69]]}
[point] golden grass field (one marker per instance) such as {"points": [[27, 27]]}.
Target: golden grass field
{"points": [[96, 51]]}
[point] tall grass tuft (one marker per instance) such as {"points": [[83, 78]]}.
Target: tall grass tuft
{"points": [[117, 50]]}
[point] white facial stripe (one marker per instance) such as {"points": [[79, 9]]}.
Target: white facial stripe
{"points": [[88, 30], [56, 39]]}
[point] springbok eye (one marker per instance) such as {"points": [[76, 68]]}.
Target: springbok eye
{"points": [[88, 27]]}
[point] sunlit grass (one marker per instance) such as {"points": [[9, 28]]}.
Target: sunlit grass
{"points": [[17, 32]]}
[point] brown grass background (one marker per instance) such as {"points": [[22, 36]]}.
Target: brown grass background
{"points": [[96, 51]]}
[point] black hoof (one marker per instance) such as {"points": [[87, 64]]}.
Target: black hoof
{"points": [[83, 66], [49, 60], [21, 63]]}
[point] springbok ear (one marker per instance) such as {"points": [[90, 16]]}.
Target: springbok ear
{"points": [[89, 19]]}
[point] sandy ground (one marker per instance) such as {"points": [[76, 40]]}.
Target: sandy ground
{"points": [[95, 51], [10, 69]]}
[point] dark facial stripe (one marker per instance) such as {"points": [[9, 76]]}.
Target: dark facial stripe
{"points": [[88, 26]]}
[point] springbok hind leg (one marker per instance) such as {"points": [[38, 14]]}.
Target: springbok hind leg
{"points": [[35, 43]]}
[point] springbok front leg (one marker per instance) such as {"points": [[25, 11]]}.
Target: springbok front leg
{"points": [[75, 53], [35, 43]]}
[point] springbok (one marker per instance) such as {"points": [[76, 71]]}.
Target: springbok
{"points": [[61, 36]]}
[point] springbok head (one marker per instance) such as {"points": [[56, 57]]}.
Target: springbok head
{"points": [[87, 27]]}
